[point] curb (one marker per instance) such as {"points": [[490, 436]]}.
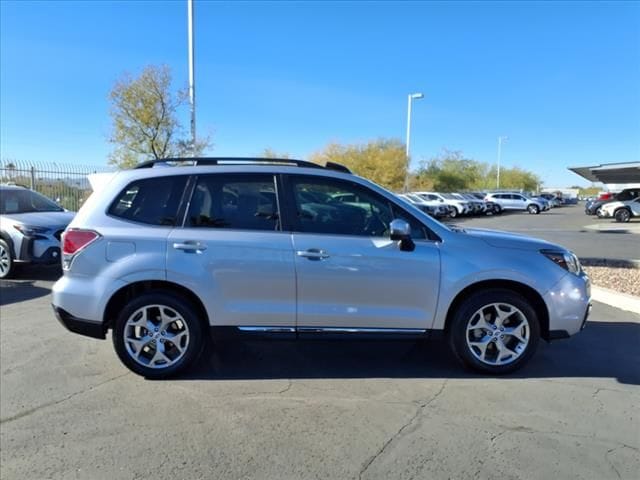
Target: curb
{"points": [[609, 262], [613, 228], [622, 301]]}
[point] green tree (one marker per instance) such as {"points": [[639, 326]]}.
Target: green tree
{"points": [[145, 125], [382, 161]]}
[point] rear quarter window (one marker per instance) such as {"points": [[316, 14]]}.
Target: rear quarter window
{"points": [[154, 201]]}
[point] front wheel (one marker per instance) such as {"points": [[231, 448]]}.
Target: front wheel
{"points": [[497, 209], [6, 260], [533, 209], [158, 335], [453, 212], [494, 331], [623, 215]]}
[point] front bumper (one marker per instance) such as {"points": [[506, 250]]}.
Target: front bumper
{"points": [[39, 249], [569, 304]]}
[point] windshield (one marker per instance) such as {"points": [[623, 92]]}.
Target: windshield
{"points": [[26, 201], [449, 196]]}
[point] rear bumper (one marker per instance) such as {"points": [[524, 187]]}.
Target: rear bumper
{"points": [[79, 325]]}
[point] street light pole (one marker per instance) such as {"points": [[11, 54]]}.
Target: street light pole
{"points": [[500, 140], [410, 98], [192, 86]]}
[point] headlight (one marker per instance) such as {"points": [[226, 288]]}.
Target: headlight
{"points": [[566, 260], [29, 230]]}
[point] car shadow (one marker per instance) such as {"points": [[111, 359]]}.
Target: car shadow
{"points": [[603, 349], [27, 283]]}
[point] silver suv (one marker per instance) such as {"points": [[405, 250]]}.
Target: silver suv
{"points": [[516, 201], [162, 256]]}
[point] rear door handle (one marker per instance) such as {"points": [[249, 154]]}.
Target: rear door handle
{"points": [[190, 246], [313, 254]]}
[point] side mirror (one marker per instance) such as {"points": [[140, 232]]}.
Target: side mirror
{"points": [[401, 232]]}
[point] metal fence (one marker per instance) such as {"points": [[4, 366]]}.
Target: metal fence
{"points": [[66, 184]]}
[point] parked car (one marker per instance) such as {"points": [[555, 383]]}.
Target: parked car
{"points": [[621, 211], [490, 207], [516, 201], [478, 207], [30, 228], [457, 207], [592, 207], [546, 204], [431, 207], [553, 199], [161, 256]]}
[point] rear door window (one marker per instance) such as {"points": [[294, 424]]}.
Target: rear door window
{"points": [[153, 201], [237, 201]]}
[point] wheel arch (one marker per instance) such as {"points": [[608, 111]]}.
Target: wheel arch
{"points": [[132, 290], [7, 239], [526, 291]]}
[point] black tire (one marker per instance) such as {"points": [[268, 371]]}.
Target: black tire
{"points": [[533, 209], [7, 266], [464, 314], [453, 212], [622, 215], [185, 310], [497, 209]]}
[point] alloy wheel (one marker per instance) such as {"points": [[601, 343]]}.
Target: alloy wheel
{"points": [[156, 336], [498, 334], [5, 261]]}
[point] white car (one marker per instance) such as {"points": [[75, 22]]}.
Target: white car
{"points": [[459, 207], [431, 207], [621, 211]]}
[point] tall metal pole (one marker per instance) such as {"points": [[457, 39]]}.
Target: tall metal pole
{"points": [[410, 98], [500, 139], [192, 86]]}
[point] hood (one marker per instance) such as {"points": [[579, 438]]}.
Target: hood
{"points": [[42, 219], [500, 239]]}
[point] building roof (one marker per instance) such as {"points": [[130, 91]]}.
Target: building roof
{"points": [[621, 173]]}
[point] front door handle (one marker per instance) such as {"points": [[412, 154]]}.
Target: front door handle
{"points": [[313, 254], [190, 246]]}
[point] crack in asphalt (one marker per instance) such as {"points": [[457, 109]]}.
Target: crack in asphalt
{"points": [[608, 460], [399, 433], [30, 411]]}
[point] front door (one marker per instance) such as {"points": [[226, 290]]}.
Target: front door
{"points": [[349, 273], [233, 254]]}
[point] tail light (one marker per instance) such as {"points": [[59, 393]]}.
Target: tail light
{"points": [[74, 241]]}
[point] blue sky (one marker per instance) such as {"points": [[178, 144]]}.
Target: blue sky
{"points": [[561, 80]]}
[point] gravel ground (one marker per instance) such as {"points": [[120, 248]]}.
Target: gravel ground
{"points": [[625, 280]]}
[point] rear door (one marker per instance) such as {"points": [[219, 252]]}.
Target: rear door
{"points": [[233, 253], [349, 273]]}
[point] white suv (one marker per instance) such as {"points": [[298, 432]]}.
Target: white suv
{"points": [[286, 248]]}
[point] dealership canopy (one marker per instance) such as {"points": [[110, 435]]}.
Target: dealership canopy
{"points": [[610, 172]]}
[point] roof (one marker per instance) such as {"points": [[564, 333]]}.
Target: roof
{"points": [[628, 172]]}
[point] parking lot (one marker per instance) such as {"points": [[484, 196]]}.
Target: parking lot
{"points": [[344, 410], [587, 236]]}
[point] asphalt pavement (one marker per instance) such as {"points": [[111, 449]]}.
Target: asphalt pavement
{"points": [[567, 226], [314, 410]]}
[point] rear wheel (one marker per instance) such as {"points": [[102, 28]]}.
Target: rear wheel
{"points": [[495, 331], [533, 209], [6, 260], [622, 215], [453, 212], [158, 335]]}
